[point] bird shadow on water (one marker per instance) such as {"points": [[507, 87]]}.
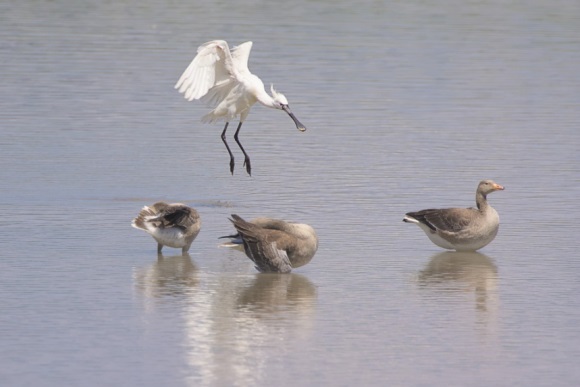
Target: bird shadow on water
{"points": [[168, 276], [273, 292]]}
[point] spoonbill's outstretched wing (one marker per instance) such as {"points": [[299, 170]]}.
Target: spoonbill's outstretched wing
{"points": [[240, 55], [211, 65], [215, 69]]}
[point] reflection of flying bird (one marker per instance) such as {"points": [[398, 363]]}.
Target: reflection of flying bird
{"points": [[275, 245], [221, 78], [174, 225], [462, 229]]}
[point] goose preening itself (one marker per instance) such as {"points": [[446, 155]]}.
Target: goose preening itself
{"points": [[220, 77], [275, 245], [461, 229], [174, 225]]}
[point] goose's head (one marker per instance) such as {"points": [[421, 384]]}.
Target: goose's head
{"points": [[489, 186]]}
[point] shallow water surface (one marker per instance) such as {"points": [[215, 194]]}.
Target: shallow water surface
{"points": [[408, 106]]}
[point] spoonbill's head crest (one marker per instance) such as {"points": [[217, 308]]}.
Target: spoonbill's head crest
{"points": [[278, 97]]}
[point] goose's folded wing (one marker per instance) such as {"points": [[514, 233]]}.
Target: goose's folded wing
{"points": [[266, 248], [267, 256], [446, 219], [178, 216]]}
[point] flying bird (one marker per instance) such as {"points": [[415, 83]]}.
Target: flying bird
{"points": [[461, 229], [220, 77], [174, 225], [275, 246]]}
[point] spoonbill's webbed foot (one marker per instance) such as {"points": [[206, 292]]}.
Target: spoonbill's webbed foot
{"points": [[248, 165]]}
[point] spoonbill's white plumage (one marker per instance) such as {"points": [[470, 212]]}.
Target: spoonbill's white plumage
{"points": [[274, 245], [174, 225], [461, 229], [220, 77]]}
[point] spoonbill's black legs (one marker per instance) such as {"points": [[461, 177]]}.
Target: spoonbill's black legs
{"points": [[232, 163], [247, 163]]}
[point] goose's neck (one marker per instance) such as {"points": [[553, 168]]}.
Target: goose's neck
{"points": [[481, 201], [308, 233], [298, 230], [274, 224], [302, 231]]}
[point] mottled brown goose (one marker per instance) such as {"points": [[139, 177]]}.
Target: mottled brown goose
{"points": [[461, 229], [174, 225], [276, 245]]}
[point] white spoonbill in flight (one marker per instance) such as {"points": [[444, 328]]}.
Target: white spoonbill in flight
{"points": [[221, 78]]}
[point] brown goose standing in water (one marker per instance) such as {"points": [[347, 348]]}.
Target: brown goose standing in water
{"points": [[461, 229], [174, 225], [275, 245]]}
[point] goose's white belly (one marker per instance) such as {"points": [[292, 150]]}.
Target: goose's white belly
{"points": [[435, 238], [462, 244], [172, 237]]}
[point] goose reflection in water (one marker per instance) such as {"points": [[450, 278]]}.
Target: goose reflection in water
{"points": [[463, 272], [169, 276], [233, 326], [245, 325], [274, 292]]}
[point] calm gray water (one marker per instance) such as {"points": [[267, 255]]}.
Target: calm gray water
{"points": [[408, 105]]}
